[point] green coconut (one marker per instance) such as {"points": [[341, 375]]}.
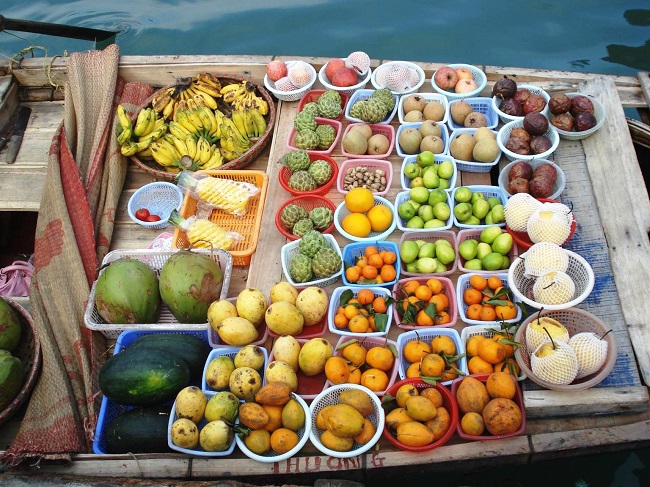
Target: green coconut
{"points": [[9, 327], [189, 283], [127, 292], [11, 378]]}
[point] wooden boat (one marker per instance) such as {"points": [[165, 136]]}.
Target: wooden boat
{"points": [[604, 183]]}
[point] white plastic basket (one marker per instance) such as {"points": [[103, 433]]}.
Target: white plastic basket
{"points": [[579, 271], [334, 304], [403, 196], [330, 396], [360, 95], [558, 186], [473, 166], [478, 75], [463, 284], [479, 104], [341, 212], [230, 352], [290, 249], [599, 113], [159, 198], [488, 191], [348, 90], [377, 78], [270, 456], [535, 90], [438, 159], [504, 134], [293, 95], [444, 135], [486, 330], [154, 259], [429, 97]]}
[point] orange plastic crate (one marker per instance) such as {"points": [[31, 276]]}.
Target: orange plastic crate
{"points": [[248, 225]]}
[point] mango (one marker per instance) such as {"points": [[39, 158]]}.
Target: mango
{"points": [[472, 395], [190, 403], [397, 417], [250, 356], [217, 374], [287, 349], [283, 291], [253, 416], [185, 433], [237, 331], [283, 318], [220, 310], [336, 443], [293, 415], [312, 302], [278, 371], [420, 408], [245, 382], [274, 393], [251, 304], [359, 400], [313, 355], [345, 421], [414, 433], [216, 436]]}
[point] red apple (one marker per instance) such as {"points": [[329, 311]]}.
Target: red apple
{"points": [[446, 78], [344, 77], [465, 86], [276, 70], [464, 73], [333, 66]]}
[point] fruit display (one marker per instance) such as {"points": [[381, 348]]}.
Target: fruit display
{"points": [[314, 133], [434, 356], [362, 213], [219, 193], [455, 79], [421, 136], [516, 101], [491, 348], [419, 107], [328, 104], [541, 221], [238, 370], [478, 145], [305, 173], [371, 106], [380, 260], [195, 124], [484, 298], [289, 316], [365, 139], [490, 406], [315, 258], [398, 77], [486, 249], [427, 256], [429, 170], [572, 113], [424, 302], [423, 208], [203, 233], [478, 206], [360, 310]]}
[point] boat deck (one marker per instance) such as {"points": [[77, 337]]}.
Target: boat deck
{"points": [[604, 186]]}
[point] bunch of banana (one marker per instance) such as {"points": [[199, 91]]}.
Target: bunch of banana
{"points": [[249, 121], [233, 142], [124, 126], [164, 152], [148, 127], [199, 120], [242, 95], [204, 86]]}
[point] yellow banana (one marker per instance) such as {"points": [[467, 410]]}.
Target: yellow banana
{"points": [[125, 136], [208, 79], [168, 111], [156, 133], [123, 118], [229, 155], [216, 159], [183, 117], [129, 148], [216, 129], [153, 122], [251, 128], [207, 121], [164, 153], [145, 154], [142, 122], [178, 130], [192, 147], [180, 145], [240, 138], [203, 150], [227, 143], [159, 103], [237, 116], [259, 120], [230, 87], [205, 88]]}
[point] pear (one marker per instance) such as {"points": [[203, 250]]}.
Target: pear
{"points": [[542, 329], [486, 150], [414, 102], [544, 257], [555, 362], [432, 143], [591, 351], [459, 111], [554, 287], [429, 127], [378, 144], [475, 120], [414, 116], [434, 111], [355, 142], [409, 140], [483, 133], [364, 128], [462, 147]]}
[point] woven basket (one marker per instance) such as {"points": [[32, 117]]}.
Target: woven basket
{"points": [[152, 167], [29, 353]]}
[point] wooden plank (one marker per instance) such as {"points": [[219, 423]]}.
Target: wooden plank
{"points": [[134, 466], [619, 189], [644, 80]]}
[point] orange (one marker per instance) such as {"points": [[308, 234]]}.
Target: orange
{"points": [[410, 287], [355, 374], [476, 365], [444, 344], [337, 370], [390, 257], [487, 314], [448, 374], [423, 293], [441, 301], [478, 282], [340, 321], [413, 370], [375, 260], [365, 296], [283, 440], [423, 319], [472, 424], [356, 224], [506, 312], [371, 321], [379, 304], [374, 379], [472, 296], [473, 312], [485, 300], [380, 358], [359, 200], [380, 218], [388, 273], [442, 318], [359, 324], [501, 384], [361, 262], [494, 282], [415, 350], [369, 272], [432, 365], [351, 311], [501, 338], [471, 347], [411, 299], [435, 285], [353, 273], [355, 353], [370, 250], [275, 417]]}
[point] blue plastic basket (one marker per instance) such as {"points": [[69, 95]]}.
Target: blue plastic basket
{"points": [[479, 104], [365, 95], [439, 159], [401, 224], [230, 352], [356, 249], [444, 135], [488, 191], [429, 97]]}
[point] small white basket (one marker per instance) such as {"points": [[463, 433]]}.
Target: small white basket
{"points": [[438, 159], [479, 104], [505, 118], [579, 271], [403, 196], [504, 134], [474, 166], [429, 97], [270, 456], [444, 135], [293, 95], [166, 321], [348, 90], [558, 185], [290, 249], [230, 352], [334, 304], [365, 95], [159, 198], [330, 396], [478, 75], [409, 87], [485, 330], [599, 113], [341, 212], [463, 284]]}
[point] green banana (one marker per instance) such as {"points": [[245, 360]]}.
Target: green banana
{"points": [[125, 135]]}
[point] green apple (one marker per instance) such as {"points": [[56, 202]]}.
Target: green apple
{"points": [[425, 158], [420, 242], [444, 183], [474, 265], [415, 222], [433, 169], [478, 195], [437, 195], [472, 220], [426, 212], [408, 251], [414, 204], [493, 261], [430, 179], [434, 223], [427, 265], [445, 254], [463, 194], [417, 182], [493, 200], [463, 211], [419, 194], [412, 267], [411, 170], [498, 214], [445, 170], [483, 249], [490, 233], [488, 219], [468, 248], [480, 208], [441, 211], [405, 210], [503, 243], [506, 262], [428, 249]]}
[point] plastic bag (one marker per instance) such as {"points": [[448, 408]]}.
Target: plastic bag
{"points": [[16, 278]]}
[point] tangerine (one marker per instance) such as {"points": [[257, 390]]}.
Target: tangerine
{"points": [[441, 301], [423, 292], [388, 273], [415, 350], [444, 344], [351, 311], [432, 365], [370, 250], [374, 379], [356, 224], [479, 282], [355, 353], [472, 296], [494, 282], [390, 257], [359, 200], [375, 260], [442, 318], [435, 285], [476, 365], [340, 321], [471, 347], [409, 287], [355, 374], [423, 319], [380, 218], [473, 311], [369, 272], [413, 370], [283, 440], [353, 273], [506, 311], [487, 314], [359, 324], [337, 370], [379, 304], [365, 296], [380, 358]]}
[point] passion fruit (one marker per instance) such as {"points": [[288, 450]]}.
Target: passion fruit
{"points": [[535, 123], [559, 103], [584, 121], [504, 88], [580, 104]]}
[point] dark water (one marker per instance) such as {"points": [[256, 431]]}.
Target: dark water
{"points": [[598, 36]]}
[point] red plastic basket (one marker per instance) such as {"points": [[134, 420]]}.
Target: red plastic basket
{"points": [[285, 174], [448, 402], [522, 239], [308, 203], [313, 95], [338, 126]]}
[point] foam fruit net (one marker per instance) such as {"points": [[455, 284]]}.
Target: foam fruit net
{"points": [[591, 352], [535, 337], [554, 288], [545, 257], [518, 209], [397, 77], [561, 367], [548, 224]]}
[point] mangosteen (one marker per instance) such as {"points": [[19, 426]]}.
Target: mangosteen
{"points": [[563, 121], [535, 103], [559, 103], [581, 103], [522, 95], [540, 144], [584, 121], [518, 185], [520, 133], [518, 146], [540, 188], [504, 88], [545, 171], [510, 107], [520, 169], [535, 123]]}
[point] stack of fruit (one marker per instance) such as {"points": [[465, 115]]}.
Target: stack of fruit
{"points": [[515, 101], [485, 298], [238, 323], [294, 311], [326, 105], [296, 219], [491, 350], [313, 133], [380, 260], [422, 136], [428, 170], [481, 205], [433, 356], [419, 107], [304, 173], [542, 222], [422, 256], [487, 249], [424, 302]]}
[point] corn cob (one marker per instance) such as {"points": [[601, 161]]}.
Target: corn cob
{"points": [[225, 194], [202, 233]]}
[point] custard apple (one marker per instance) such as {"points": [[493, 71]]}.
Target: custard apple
{"points": [[357, 109], [386, 97], [374, 111], [313, 108], [326, 262], [307, 139], [322, 217], [300, 268], [304, 121], [329, 108], [321, 171], [302, 181], [302, 227], [331, 95], [296, 160], [311, 243], [326, 135], [291, 214]]}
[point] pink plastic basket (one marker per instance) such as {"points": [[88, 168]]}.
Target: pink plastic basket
{"points": [[449, 291], [291, 139], [431, 236], [387, 130], [371, 165]]}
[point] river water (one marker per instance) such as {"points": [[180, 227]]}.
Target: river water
{"points": [[598, 36]]}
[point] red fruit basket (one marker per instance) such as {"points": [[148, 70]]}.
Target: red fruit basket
{"points": [[308, 203], [522, 239], [313, 95], [285, 174]]}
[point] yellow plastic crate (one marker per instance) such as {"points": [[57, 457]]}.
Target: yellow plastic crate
{"points": [[248, 225]]}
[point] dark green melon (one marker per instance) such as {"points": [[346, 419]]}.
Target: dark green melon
{"points": [[138, 430], [10, 329]]}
